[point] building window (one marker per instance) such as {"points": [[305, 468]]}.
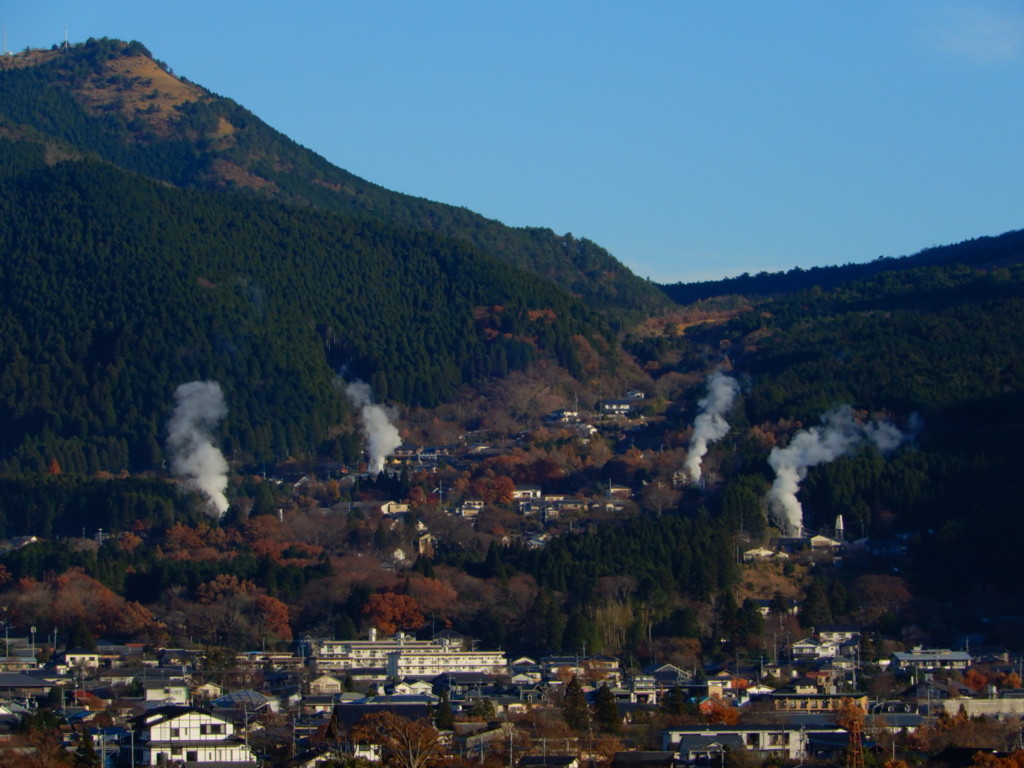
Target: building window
{"points": [[175, 733]]}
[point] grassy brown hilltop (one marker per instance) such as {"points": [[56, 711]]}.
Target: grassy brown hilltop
{"points": [[139, 88]]}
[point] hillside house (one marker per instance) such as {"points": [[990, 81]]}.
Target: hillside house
{"points": [[179, 734], [174, 691], [821, 543], [208, 691], [839, 633], [469, 508], [620, 407], [620, 492], [393, 509], [702, 742], [562, 417], [527, 492], [789, 699], [789, 606], [809, 648], [561, 668], [412, 687], [81, 658], [325, 685], [929, 659], [18, 663], [668, 675]]}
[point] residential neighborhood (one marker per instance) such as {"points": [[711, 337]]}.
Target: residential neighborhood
{"points": [[783, 695], [145, 706]]}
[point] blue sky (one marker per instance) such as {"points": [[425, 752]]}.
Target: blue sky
{"points": [[694, 140]]}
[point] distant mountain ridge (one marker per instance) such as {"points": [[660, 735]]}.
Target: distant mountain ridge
{"points": [[1004, 249], [111, 99]]}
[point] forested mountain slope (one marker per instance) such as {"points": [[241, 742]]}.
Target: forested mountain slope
{"points": [[116, 289], [111, 99], [936, 348]]}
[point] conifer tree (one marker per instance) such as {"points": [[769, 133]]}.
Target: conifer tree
{"points": [[445, 719], [575, 711], [85, 754], [606, 713]]}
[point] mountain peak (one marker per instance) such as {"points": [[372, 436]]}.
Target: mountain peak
{"points": [[111, 99]]}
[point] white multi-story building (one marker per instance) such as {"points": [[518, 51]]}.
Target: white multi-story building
{"points": [[434, 661], [403, 656], [172, 734]]}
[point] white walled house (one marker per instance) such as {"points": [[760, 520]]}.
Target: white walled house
{"points": [[166, 691], [692, 742], [175, 734], [325, 685]]}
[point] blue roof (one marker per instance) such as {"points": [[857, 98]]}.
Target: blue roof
{"points": [[246, 697]]}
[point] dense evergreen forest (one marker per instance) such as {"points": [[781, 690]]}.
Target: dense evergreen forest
{"points": [[937, 348], [108, 98], [117, 289]]}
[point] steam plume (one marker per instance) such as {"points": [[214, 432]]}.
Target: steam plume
{"points": [[838, 434], [194, 456], [381, 435], [709, 426]]}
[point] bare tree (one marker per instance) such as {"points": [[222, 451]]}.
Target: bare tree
{"points": [[658, 496], [403, 743]]}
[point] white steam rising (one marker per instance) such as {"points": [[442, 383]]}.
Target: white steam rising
{"points": [[194, 456], [838, 434], [709, 426], [381, 435]]}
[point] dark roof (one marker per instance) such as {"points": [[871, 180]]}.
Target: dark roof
{"points": [[245, 697], [25, 680], [463, 678], [167, 712], [546, 761], [449, 634], [165, 683], [643, 759], [699, 742], [347, 715]]}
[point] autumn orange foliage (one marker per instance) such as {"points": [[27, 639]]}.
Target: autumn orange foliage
{"points": [[989, 760], [273, 614], [72, 596], [389, 612]]}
